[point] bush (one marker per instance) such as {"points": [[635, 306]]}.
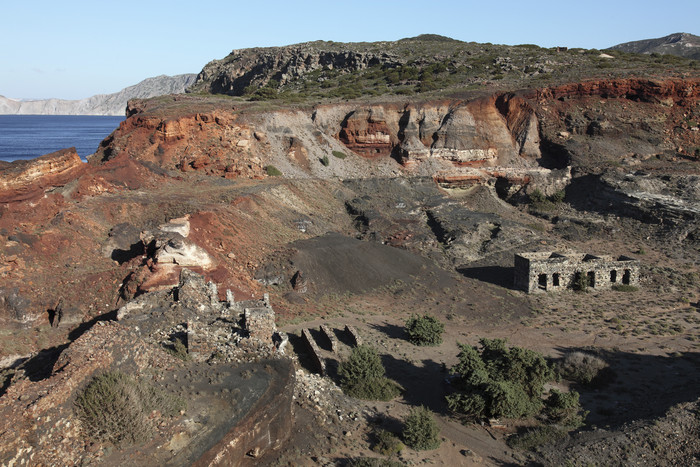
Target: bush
{"points": [[362, 376], [581, 367], [373, 462], [581, 282], [339, 155], [537, 197], [272, 171], [535, 437], [386, 443], [178, 350], [558, 197], [424, 330], [564, 408], [420, 430], [498, 381], [115, 407], [325, 161], [508, 399]]}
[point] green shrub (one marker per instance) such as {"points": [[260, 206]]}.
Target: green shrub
{"points": [[472, 404], [339, 155], [379, 389], [498, 381], [424, 330], [386, 443], [564, 408], [272, 171], [558, 197], [581, 282], [362, 376], [116, 407], [420, 431], [537, 196], [374, 462], [178, 350], [534, 437], [539, 201], [508, 399], [325, 161]]}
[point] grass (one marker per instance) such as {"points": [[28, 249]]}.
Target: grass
{"points": [[624, 288], [386, 443], [272, 171], [178, 350], [117, 407]]}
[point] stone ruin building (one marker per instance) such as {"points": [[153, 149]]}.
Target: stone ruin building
{"points": [[552, 271]]}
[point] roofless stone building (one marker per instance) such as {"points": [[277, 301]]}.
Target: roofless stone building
{"points": [[552, 271]]}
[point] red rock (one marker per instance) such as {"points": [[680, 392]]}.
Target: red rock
{"points": [[29, 179]]}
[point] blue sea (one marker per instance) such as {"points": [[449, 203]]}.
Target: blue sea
{"points": [[30, 136]]}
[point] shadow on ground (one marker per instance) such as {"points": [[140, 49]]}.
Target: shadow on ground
{"points": [[497, 275], [392, 331], [424, 383], [639, 386]]}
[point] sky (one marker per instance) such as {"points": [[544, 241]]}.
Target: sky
{"points": [[74, 49]]}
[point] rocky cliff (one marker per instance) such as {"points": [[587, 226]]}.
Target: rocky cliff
{"points": [[427, 64], [258, 66], [101, 104], [516, 135]]}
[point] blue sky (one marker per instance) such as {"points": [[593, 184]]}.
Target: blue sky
{"points": [[74, 49]]}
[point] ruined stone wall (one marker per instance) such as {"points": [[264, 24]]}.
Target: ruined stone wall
{"points": [[547, 271]]}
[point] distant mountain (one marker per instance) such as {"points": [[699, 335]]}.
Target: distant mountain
{"points": [[100, 104], [680, 43]]}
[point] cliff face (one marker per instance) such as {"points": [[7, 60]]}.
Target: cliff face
{"points": [[422, 138], [257, 66], [101, 104], [512, 133]]}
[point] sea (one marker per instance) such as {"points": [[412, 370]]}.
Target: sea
{"points": [[30, 136]]}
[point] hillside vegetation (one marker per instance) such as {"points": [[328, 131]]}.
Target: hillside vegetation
{"points": [[429, 64]]}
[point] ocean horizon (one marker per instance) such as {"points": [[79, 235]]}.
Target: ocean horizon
{"points": [[31, 136]]}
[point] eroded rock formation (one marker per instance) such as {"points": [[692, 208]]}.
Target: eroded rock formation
{"points": [[24, 180]]}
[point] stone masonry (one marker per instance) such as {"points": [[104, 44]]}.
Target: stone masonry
{"points": [[553, 271]]}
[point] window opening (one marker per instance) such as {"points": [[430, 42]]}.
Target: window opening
{"points": [[626, 277]]}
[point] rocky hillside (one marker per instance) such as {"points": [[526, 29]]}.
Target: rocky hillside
{"points": [[426, 65], [374, 181], [100, 104], [680, 44]]}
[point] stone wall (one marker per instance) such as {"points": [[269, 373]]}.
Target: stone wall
{"points": [[314, 351], [260, 323], [552, 271]]}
